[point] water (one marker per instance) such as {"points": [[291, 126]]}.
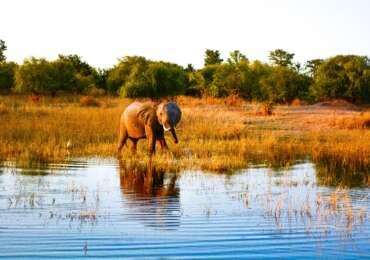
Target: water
{"points": [[106, 209]]}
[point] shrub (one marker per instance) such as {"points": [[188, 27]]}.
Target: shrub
{"points": [[144, 78], [346, 77], [7, 76], [88, 101], [35, 76], [234, 100], [39, 76], [297, 102], [95, 91], [265, 109], [283, 85], [3, 109], [34, 98]]}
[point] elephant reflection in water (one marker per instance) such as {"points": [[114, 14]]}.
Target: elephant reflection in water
{"points": [[152, 196]]}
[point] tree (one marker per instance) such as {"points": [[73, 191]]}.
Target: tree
{"points": [[280, 57], [166, 79], [311, 66], [135, 76], [78, 64], [159, 79], [35, 76], [85, 76], [189, 68], [283, 85], [236, 57], [120, 73], [212, 57], [40, 76], [343, 76], [232, 79], [7, 73], [190, 82], [2, 50], [259, 71]]}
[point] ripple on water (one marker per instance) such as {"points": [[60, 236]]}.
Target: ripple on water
{"points": [[97, 208]]}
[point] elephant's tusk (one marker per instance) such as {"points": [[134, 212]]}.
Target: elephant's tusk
{"points": [[166, 129]]}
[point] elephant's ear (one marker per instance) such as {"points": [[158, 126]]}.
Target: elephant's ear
{"points": [[175, 112], [147, 114]]}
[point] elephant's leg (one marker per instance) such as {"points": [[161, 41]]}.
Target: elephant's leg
{"points": [[163, 144], [134, 145], [123, 135], [151, 139]]}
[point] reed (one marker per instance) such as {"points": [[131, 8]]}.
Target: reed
{"points": [[215, 134]]}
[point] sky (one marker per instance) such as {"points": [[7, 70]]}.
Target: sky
{"points": [[101, 31]]}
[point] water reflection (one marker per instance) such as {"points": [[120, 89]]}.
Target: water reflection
{"points": [[340, 177], [121, 209], [152, 195]]}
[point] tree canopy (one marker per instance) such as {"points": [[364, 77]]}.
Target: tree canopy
{"points": [[212, 57], [2, 51], [342, 76], [280, 57]]}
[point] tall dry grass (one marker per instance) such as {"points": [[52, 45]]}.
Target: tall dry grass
{"points": [[215, 134]]}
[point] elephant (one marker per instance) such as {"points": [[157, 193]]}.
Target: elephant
{"points": [[148, 120]]}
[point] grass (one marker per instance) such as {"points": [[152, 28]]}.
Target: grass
{"points": [[215, 134]]}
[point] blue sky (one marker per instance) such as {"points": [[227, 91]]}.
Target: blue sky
{"points": [[180, 31]]}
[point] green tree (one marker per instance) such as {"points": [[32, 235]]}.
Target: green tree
{"points": [[35, 76], [232, 79], [259, 71], [311, 66], [120, 73], [84, 76], [190, 82], [280, 57], [236, 57], [7, 76], [212, 57], [2, 50], [343, 76], [138, 77], [166, 79], [283, 85], [78, 64], [40, 76]]}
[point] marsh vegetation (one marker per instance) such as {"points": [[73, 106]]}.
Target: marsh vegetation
{"points": [[215, 134]]}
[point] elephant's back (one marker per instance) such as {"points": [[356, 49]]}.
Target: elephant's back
{"points": [[130, 118]]}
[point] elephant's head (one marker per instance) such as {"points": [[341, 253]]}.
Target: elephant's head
{"points": [[169, 115]]}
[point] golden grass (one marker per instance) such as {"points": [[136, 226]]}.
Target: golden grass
{"points": [[357, 121], [215, 134], [88, 101]]}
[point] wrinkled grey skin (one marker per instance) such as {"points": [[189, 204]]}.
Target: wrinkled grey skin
{"points": [[146, 120]]}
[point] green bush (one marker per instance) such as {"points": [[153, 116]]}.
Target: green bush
{"points": [[120, 73], [35, 76], [346, 77], [66, 74], [138, 77], [283, 85], [7, 76]]}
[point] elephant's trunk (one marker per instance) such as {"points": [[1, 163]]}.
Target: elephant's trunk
{"points": [[173, 132]]}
